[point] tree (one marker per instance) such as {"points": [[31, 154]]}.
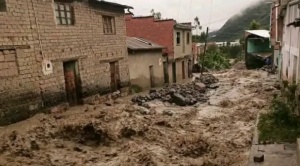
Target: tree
{"points": [[200, 38], [197, 24], [157, 15], [254, 25]]}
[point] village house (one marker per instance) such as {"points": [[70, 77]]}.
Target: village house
{"points": [[175, 37], [56, 52], [285, 36], [257, 48], [146, 63]]}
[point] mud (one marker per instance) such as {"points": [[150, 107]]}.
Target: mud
{"points": [[218, 132]]}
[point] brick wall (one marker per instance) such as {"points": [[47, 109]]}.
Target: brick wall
{"points": [[28, 88], [158, 31]]}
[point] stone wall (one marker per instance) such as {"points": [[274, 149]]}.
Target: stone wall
{"points": [[29, 35]]}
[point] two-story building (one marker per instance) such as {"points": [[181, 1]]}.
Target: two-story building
{"points": [[175, 37], [285, 37], [59, 51]]}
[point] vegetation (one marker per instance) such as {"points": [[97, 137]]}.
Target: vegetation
{"points": [[235, 26], [281, 124], [200, 38], [232, 52], [157, 15], [135, 89], [215, 59], [254, 25]]}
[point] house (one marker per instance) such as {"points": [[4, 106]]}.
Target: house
{"points": [[257, 48], [175, 37], [55, 52], [285, 38], [290, 41], [148, 67], [196, 49]]}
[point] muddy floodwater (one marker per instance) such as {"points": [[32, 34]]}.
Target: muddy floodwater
{"points": [[217, 132]]}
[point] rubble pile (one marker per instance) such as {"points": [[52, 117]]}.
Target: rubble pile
{"points": [[181, 94]]}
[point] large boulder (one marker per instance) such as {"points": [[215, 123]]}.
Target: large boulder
{"points": [[208, 79], [200, 86], [178, 99]]}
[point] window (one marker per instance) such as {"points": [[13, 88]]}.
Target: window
{"points": [[188, 40], [178, 38], [2, 6], [109, 25], [64, 14]]}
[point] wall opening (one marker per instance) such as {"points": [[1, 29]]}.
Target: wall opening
{"points": [[71, 82], [3, 6], [151, 71]]}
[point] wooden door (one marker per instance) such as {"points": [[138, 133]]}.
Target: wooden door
{"points": [[114, 75], [174, 71], [166, 73], [71, 82], [189, 69], [151, 76], [183, 70]]}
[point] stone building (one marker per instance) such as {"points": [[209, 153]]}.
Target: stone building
{"points": [[175, 37], [146, 63], [59, 51]]}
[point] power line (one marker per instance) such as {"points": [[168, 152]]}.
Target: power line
{"points": [[219, 20], [190, 9], [211, 9], [179, 9]]}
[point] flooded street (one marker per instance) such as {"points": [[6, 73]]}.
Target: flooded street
{"points": [[217, 132]]}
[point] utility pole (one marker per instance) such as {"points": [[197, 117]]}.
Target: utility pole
{"points": [[205, 45]]}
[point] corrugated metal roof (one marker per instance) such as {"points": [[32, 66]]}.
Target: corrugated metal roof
{"points": [[261, 33], [135, 43]]}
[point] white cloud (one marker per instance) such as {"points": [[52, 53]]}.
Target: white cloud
{"points": [[187, 10]]}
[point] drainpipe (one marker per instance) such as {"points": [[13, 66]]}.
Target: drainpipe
{"points": [[37, 30]]}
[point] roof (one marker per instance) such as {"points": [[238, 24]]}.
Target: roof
{"points": [[260, 33], [113, 4], [183, 26], [135, 43]]}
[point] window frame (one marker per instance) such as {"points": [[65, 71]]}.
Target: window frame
{"points": [[109, 25], [65, 11], [178, 38], [188, 37]]}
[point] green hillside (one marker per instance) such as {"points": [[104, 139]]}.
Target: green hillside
{"points": [[234, 28]]}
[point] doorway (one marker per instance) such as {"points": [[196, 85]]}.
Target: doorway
{"points": [[295, 66], [190, 69], [166, 73], [183, 70], [71, 82], [174, 71], [114, 75], [151, 76]]}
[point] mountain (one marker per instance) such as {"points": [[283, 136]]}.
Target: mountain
{"points": [[235, 27]]}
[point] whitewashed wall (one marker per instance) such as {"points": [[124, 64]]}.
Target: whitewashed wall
{"points": [[291, 43]]}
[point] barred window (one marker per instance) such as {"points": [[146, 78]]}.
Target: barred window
{"points": [[109, 25], [2, 6], [64, 13]]}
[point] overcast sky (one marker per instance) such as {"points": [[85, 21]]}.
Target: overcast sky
{"points": [[187, 10]]}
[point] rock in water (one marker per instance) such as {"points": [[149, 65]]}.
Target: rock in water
{"points": [[143, 110], [259, 158], [152, 91], [178, 99], [200, 86], [208, 79], [213, 86]]}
